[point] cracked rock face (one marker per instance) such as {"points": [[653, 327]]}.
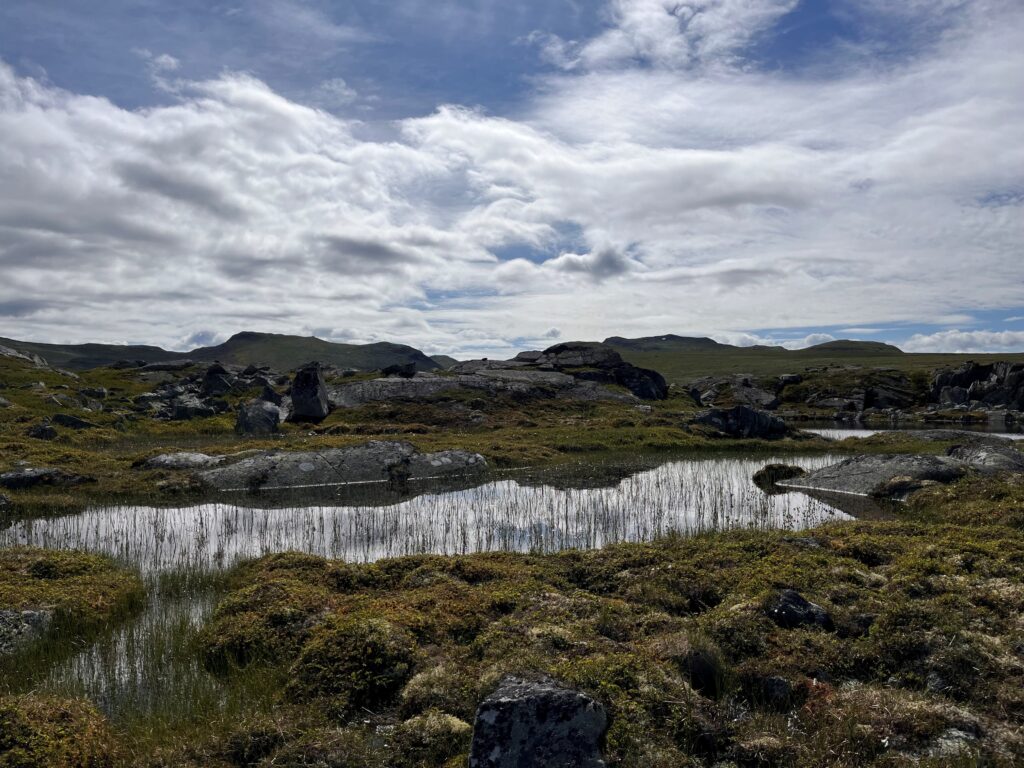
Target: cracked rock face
{"points": [[375, 461], [539, 724]]}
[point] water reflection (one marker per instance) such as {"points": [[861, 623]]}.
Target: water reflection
{"points": [[685, 497]]}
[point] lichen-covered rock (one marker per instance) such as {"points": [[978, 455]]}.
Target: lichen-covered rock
{"points": [[20, 479], [744, 422], [183, 460], [374, 461], [537, 724], [258, 418], [881, 475]]}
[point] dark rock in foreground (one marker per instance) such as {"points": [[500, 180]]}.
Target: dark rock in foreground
{"points": [[744, 422], [789, 609], [375, 461], [309, 395], [537, 725], [30, 478], [43, 432]]}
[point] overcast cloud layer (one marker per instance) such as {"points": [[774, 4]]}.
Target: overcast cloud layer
{"points": [[655, 176]]}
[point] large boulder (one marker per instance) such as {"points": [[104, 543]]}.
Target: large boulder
{"points": [[217, 381], [538, 724], [744, 422], [642, 382], [879, 475], [375, 461], [580, 354], [989, 385], [738, 389], [188, 407], [310, 400], [258, 418]]}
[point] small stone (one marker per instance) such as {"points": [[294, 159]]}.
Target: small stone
{"points": [[791, 610]]}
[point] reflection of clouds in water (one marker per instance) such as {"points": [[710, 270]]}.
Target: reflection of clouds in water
{"points": [[680, 496]]}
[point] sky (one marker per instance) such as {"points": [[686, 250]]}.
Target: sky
{"points": [[476, 177]]}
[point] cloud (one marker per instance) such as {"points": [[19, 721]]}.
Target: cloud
{"points": [[703, 194], [666, 33], [966, 341]]}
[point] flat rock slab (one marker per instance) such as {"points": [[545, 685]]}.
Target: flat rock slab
{"points": [[537, 725], [375, 461], [879, 475], [30, 478], [185, 460]]}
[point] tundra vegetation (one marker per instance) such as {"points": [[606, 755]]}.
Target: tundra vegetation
{"points": [[872, 642]]}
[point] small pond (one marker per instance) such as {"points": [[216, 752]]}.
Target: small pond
{"points": [[146, 669]]}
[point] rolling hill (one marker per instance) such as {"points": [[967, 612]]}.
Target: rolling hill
{"points": [[682, 359], [282, 352]]}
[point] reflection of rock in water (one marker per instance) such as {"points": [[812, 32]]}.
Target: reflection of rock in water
{"points": [[860, 507]]}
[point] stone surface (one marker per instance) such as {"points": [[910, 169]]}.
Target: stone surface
{"points": [[768, 477], [43, 432], [989, 457], [881, 475], [187, 407], [20, 627], [72, 422], [184, 460], [405, 371], [789, 609], [32, 477], [537, 725], [744, 422], [739, 389], [258, 418], [375, 461], [310, 400]]}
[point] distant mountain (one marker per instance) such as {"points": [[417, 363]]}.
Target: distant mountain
{"points": [[279, 351], [667, 343], [444, 361], [847, 347]]}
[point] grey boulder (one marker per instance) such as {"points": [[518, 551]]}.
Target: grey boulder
{"points": [[539, 724], [744, 422], [881, 475], [375, 461], [19, 479], [258, 418], [183, 460]]}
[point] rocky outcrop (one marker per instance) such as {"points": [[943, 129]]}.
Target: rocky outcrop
{"points": [[486, 379], [744, 422], [72, 422], [993, 385], [184, 460], [310, 399], [740, 389], [375, 461], [20, 479], [258, 418], [17, 628], [897, 476], [538, 724]]}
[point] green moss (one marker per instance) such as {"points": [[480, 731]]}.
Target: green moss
{"points": [[81, 589], [41, 732]]}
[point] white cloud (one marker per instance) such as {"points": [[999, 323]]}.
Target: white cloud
{"points": [[707, 197], [966, 341]]}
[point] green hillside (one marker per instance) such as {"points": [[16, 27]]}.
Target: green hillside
{"points": [[681, 359], [279, 351]]}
